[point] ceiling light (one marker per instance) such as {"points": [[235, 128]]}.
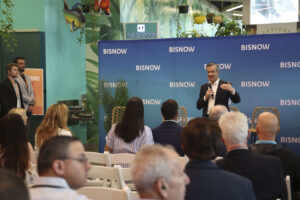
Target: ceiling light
{"points": [[234, 8], [236, 14]]}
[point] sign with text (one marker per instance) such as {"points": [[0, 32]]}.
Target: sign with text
{"points": [[37, 80], [141, 30]]}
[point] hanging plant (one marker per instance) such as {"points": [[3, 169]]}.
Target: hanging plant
{"points": [[6, 25], [218, 19], [209, 17], [198, 18]]}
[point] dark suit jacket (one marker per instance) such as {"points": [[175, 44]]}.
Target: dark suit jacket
{"points": [[8, 97], [169, 132], [209, 182], [222, 97], [264, 172], [290, 163]]}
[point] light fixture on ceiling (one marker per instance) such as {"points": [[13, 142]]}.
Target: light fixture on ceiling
{"points": [[237, 14], [234, 8]]}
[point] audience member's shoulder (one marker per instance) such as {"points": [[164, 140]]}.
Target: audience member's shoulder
{"points": [[147, 129], [266, 158], [235, 177]]}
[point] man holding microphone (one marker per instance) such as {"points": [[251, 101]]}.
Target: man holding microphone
{"points": [[216, 91]]}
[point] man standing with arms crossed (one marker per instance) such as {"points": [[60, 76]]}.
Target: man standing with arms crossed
{"points": [[216, 91]]}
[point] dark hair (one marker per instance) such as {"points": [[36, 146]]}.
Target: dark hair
{"points": [[9, 66], [12, 186], [169, 109], [55, 148], [14, 144], [132, 123], [18, 58], [201, 139]]}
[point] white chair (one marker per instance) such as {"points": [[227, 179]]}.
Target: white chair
{"points": [[95, 193], [288, 187], [125, 177], [96, 158], [102, 174], [120, 159]]}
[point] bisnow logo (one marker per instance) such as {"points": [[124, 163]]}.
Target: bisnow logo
{"points": [[182, 84], [115, 51], [115, 85], [290, 139], [147, 67], [250, 120], [151, 101], [255, 83], [182, 49], [255, 47], [290, 102], [289, 65], [222, 66]]}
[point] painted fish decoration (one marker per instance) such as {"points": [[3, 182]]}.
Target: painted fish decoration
{"points": [[74, 17]]}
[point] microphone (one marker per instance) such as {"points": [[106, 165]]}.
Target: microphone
{"points": [[210, 87]]}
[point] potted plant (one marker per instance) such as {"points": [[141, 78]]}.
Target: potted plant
{"points": [[183, 7], [218, 19], [230, 27], [209, 17], [198, 18]]}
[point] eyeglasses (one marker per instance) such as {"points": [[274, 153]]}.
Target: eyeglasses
{"points": [[82, 160]]}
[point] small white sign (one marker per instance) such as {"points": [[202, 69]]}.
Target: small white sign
{"points": [[141, 28]]}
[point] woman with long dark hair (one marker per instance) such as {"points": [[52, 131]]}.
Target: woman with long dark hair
{"points": [[15, 150], [130, 134]]}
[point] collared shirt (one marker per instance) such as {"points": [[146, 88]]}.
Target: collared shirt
{"points": [[17, 91], [265, 142], [212, 99], [118, 145], [53, 188]]}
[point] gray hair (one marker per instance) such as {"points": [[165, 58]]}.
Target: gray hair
{"points": [[213, 64], [151, 163], [217, 111], [234, 126]]}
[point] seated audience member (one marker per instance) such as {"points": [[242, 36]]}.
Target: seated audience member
{"points": [[16, 152], [264, 171], [12, 187], [266, 130], [158, 173], [130, 134], [201, 141], [217, 111], [169, 132], [62, 167], [53, 124], [21, 112]]}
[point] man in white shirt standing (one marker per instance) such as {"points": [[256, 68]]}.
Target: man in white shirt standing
{"points": [[216, 91], [63, 168]]}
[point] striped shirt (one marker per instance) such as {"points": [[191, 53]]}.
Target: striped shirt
{"points": [[118, 145]]}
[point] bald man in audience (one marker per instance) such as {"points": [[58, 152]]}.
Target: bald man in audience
{"points": [[63, 168], [264, 171], [266, 129], [217, 111], [157, 173]]}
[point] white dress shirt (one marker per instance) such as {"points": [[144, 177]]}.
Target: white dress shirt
{"points": [[212, 99], [53, 188]]}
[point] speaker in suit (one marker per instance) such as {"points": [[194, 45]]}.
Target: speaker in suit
{"points": [[208, 181], [221, 97], [8, 97], [216, 92], [169, 132]]}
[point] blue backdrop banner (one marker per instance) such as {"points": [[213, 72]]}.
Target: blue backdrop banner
{"points": [[264, 69]]}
